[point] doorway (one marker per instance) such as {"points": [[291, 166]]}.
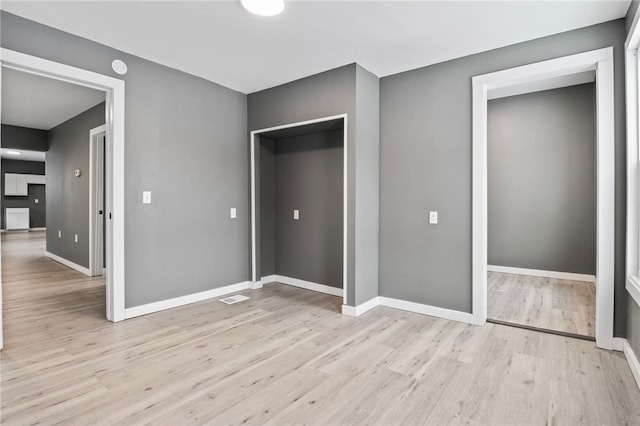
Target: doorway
{"points": [[527, 79], [541, 188], [298, 205], [114, 154]]}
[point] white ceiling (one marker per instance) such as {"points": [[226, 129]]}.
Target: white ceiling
{"points": [[220, 41], [24, 155], [37, 102]]}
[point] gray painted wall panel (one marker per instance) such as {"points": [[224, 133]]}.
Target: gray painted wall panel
{"points": [[23, 138], [185, 140], [37, 211], [631, 12], [542, 180], [425, 136], [267, 207], [367, 183], [633, 325], [68, 195], [309, 178]]}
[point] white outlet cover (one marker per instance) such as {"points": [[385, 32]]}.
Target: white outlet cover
{"points": [[146, 197], [296, 214], [233, 213], [433, 218]]}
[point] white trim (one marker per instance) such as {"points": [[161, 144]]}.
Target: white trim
{"points": [[95, 269], [253, 134], [149, 308], [602, 62], [618, 344], [433, 311], [633, 288], [623, 345], [43, 228], [362, 308], [255, 285], [632, 99], [542, 273], [115, 121], [308, 285], [269, 279], [68, 263]]}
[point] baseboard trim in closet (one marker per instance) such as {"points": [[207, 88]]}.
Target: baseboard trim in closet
{"points": [[308, 285]]}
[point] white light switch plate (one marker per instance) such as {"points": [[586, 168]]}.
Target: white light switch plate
{"points": [[146, 197], [296, 214], [433, 218], [233, 213], [76, 238]]}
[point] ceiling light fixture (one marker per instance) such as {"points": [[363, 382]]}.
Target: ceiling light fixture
{"points": [[10, 152], [263, 7]]}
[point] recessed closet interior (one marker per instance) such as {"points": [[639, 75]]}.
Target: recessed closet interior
{"points": [[300, 204]]}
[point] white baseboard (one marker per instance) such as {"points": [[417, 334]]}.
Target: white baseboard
{"points": [[322, 288], [269, 279], [433, 311], [149, 308], [540, 273], [255, 285], [38, 229], [620, 344], [356, 311], [68, 263]]}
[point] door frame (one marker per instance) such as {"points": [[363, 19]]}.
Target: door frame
{"points": [[114, 146], [255, 280], [600, 61], [96, 235]]}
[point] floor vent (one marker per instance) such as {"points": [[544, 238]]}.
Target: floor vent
{"points": [[234, 299]]}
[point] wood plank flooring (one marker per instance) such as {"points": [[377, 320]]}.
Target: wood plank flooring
{"points": [[549, 303], [286, 356]]}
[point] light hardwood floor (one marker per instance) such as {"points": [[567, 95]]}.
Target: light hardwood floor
{"points": [[549, 303], [286, 356]]}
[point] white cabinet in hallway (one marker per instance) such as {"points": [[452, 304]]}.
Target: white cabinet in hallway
{"points": [[16, 184], [17, 218]]}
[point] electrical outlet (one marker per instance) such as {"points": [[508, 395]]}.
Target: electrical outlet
{"points": [[296, 214], [35, 201], [76, 238], [433, 218], [233, 213], [59, 234], [146, 197]]}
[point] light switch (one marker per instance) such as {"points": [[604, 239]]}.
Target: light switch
{"points": [[433, 218], [296, 214], [36, 201], [76, 238], [233, 213], [59, 234], [146, 197]]}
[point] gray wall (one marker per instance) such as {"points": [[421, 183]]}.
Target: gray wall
{"points": [[306, 175], [68, 195], [37, 211], [367, 184], [631, 12], [633, 325], [267, 206], [321, 95], [185, 140], [351, 90], [425, 164], [542, 180], [23, 138]]}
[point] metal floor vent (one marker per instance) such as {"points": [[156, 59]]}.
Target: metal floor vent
{"points": [[234, 299]]}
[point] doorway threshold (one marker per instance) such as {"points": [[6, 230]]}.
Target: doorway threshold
{"points": [[542, 330]]}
